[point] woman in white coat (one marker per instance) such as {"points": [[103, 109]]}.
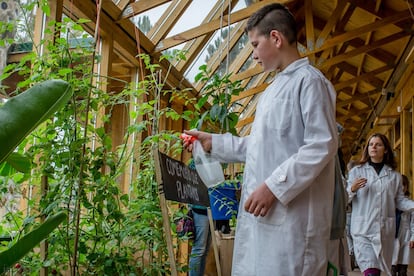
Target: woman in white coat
{"points": [[404, 241], [375, 189]]}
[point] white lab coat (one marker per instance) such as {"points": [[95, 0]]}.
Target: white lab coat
{"points": [[373, 215], [291, 148], [402, 251]]}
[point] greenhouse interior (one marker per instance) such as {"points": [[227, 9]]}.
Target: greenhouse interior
{"points": [[94, 175]]}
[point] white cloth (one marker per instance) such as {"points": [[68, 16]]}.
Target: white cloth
{"points": [[403, 254], [291, 148], [373, 215]]}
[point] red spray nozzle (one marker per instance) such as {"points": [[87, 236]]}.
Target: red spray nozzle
{"points": [[187, 138]]}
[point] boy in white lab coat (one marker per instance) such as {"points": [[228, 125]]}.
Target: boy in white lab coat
{"points": [[283, 223]]}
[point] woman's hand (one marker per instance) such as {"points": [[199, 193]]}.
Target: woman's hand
{"points": [[358, 184]]}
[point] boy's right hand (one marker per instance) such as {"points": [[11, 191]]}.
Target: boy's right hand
{"points": [[204, 138]]}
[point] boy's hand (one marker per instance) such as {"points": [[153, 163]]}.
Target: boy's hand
{"points": [[260, 201], [204, 138]]}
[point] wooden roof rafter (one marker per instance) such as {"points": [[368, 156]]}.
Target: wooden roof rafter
{"points": [[194, 46], [367, 48], [225, 47], [125, 45], [122, 4], [358, 45], [344, 37], [367, 77], [358, 97], [167, 20], [210, 26], [141, 6]]}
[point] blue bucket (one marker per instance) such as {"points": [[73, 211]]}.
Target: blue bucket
{"points": [[223, 200]]}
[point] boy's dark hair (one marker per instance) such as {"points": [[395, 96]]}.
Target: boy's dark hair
{"points": [[274, 17]]}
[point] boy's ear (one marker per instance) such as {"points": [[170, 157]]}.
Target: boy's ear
{"points": [[277, 37]]}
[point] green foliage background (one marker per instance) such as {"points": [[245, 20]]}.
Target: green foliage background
{"points": [[108, 232]]}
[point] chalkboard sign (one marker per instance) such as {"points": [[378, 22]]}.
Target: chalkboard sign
{"points": [[182, 184]]}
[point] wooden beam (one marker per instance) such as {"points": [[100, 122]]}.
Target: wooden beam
{"points": [[393, 81], [244, 122], [350, 69], [127, 36], [363, 49], [355, 113], [255, 90], [331, 23], [342, 38], [225, 48], [377, 53], [167, 20], [125, 42], [122, 4], [221, 54], [255, 70], [194, 47], [140, 7], [358, 97], [241, 59], [310, 30], [211, 26], [364, 77], [406, 140], [246, 106]]}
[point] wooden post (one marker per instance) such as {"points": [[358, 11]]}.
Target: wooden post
{"points": [[405, 142], [40, 34], [164, 212], [44, 245], [214, 241]]}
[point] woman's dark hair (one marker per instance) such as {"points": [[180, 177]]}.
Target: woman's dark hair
{"points": [[406, 183], [388, 153], [274, 17]]}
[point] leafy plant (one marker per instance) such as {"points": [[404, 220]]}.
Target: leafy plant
{"points": [[18, 117], [110, 231], [29, 241], [218, 92], [220, 116]]}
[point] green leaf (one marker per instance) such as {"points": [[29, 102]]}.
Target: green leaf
{"points": [[46, 9], [29, 241], [215, 112], [65, 71], [201, 102], [19, 162], [20, 115], [83, 20], [233, 118], [6, 169]]}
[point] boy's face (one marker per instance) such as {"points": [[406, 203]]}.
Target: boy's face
{"points": [[266, 50]]}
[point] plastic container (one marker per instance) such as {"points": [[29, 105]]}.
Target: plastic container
{"points": [[209, 169], [223, 200]]}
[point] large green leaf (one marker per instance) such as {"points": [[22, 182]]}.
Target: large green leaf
{"points": [[15, 162], [23, 246], [23, 113]]}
